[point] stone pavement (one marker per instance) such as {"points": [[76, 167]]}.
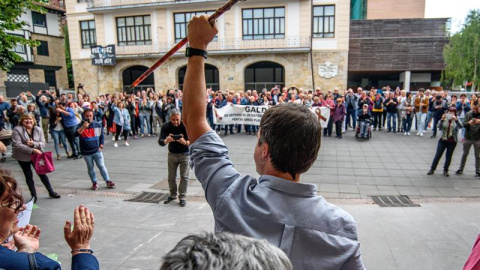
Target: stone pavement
{"points": [[437, 235]]}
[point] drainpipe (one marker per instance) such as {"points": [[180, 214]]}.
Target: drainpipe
{"points": [[311, 45]]}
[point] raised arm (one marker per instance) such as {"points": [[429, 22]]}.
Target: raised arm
{"points": [[200, 33]]}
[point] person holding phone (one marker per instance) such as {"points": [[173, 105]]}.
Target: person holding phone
{"points": [[450, 125], [471, 122], [91, 137], [175, 135]]}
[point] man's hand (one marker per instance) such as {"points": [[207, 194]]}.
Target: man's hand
{"points": [[83, 226], [169, 139], [100, 148], [86, 124], [27, 239], [182, 140], [201, 32]]}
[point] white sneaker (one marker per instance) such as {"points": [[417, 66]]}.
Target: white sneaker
{"points": [[408, 133], [113, 138], [148, 135], [126, 144], [421, 134], [115, 145], [418, 134], [405, 134]]}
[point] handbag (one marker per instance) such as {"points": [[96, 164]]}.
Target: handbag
{"points": [[43, 163], [113, 128]]}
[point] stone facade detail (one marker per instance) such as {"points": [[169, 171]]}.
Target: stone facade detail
{"points": [[298, 71]]}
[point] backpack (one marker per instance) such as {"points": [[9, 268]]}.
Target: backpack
{"points": [[378, 104]]}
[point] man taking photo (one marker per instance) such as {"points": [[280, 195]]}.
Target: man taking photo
{"points": [[174, 134]]}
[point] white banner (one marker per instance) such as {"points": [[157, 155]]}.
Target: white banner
{"points": [[239, 115], [251, 115]]}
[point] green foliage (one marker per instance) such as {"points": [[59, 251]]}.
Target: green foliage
{"points": [[462, 54], [10, 21], [68, 58]]}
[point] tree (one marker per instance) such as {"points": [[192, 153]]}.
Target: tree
{"points": [[68, 58], [462, 54], [9, 22]]}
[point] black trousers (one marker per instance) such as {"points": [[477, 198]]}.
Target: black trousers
{"points": [[328, 130], [377, 119], [441, 147], [121, 130], [70, 134], [27, 171], [338, 128]]}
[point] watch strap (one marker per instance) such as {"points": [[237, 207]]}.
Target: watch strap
{"points": [[192, 51]]}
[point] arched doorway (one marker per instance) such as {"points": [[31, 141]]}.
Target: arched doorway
{"points": [[211, 77], [130, 74], [264, 75]]}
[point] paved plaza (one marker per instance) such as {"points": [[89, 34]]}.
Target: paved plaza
{"points": [[128, 235]]}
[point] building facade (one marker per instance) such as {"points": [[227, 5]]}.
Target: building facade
{"points": [[392, 43], [44, 67], [260, 44]]}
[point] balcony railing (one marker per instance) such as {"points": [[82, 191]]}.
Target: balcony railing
{"points": [[289, 43], [119, 3]]}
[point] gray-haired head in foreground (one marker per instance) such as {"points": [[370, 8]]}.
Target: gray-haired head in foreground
{"points": [[209, 251], [175, 112]]}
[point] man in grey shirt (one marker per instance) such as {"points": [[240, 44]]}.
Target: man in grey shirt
{"points": [[277, 207]]}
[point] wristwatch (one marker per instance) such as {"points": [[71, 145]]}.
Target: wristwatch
{"points": [[192, 51]]}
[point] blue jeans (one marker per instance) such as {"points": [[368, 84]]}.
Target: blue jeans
{"points": [[351, 113], [364, 129], [389, 121], [59, 136], [144, 118], [420, 122], [428, 119], [407, 123], [98, 158]]}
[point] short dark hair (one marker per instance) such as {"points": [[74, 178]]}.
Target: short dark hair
{"points": [[209, 251], [475, 103], [293, 135], [87, 110]]}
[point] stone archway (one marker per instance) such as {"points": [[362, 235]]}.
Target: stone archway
{"points": [[264, 74], [130, 74], [211, 77]]}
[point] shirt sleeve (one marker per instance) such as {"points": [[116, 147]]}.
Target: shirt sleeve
{"points": [[212, 166], [84, 261]]}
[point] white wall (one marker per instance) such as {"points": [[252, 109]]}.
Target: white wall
{"points": [[293, 19]]}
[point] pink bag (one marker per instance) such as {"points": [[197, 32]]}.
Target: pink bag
{"points": [[43, 163], [473, 261]]}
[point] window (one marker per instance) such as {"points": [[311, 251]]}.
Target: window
{"points": [[181, 21], [50, 78], [39, 19], [87, 30], [20, 48], [263, 23], [134, 30], [323, 21], [43, 48]]}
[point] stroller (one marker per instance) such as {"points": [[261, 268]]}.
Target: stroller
{"points": [[6, 139], [367, 122]]}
